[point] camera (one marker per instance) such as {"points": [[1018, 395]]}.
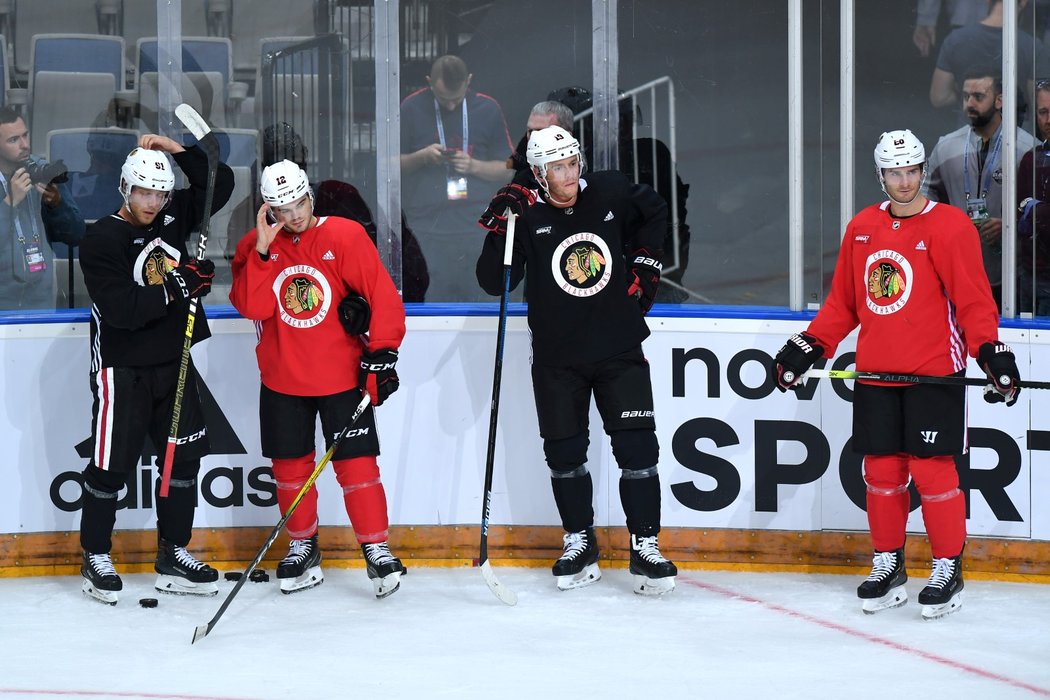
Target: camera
{"points": [[41, 172]]}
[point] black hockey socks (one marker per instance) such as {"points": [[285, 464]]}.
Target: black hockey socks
{"points": [[573, 494], [640, 496]]}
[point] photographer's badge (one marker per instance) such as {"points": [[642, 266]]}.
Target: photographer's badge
{"points": [[35, 261]]}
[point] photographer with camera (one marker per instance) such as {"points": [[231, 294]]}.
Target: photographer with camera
{"points": [[37, 210]]}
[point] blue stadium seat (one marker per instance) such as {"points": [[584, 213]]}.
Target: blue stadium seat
{"points": [[94, 157]]}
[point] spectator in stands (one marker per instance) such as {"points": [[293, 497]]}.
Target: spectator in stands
{"points": [[37, 210], [653, 172], [960, 13], [965, 168], [1033, 225], [337, 198], [454, 148], [981, 45]]}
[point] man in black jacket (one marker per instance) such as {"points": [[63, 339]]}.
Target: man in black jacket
{"points": [[587, 307], [141, 279]]}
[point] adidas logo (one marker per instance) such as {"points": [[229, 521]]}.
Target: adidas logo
{"points": [[921, 245], [608, 217], [328, 256], [168, 218]]}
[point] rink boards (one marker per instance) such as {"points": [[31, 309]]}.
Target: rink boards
{"points": [[735, 453]]}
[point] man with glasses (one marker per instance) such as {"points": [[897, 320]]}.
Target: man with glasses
{"points": [[587, 307], [141, 279], [966, 169], [454, 146]]}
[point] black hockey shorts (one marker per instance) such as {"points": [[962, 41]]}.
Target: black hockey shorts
{"points": [[288, 423], [924, 420], [132, 402], [622, 391]]}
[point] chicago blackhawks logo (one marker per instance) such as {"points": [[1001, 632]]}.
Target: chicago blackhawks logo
{"points": [[888, 278], [303, 296], [154, 261], [580, 265]]}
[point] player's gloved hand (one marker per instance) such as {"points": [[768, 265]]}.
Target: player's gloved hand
{"points": [[644, 274], [997, 361], [378, 376], [513, 197], [191, 279], [354, 313], [795, 358]]}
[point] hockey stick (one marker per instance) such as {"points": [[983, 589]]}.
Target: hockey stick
{"points": [[910, 378], [210, 145], [502, 592], [202, 630]]}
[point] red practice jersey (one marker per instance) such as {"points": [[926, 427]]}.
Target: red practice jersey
{"points": [[917, 288], [293, 297]]}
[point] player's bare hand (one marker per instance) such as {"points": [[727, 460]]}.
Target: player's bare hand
{"points": [[265, 232], [20, 184], [49, 194], [991, 231], [156, 142]]}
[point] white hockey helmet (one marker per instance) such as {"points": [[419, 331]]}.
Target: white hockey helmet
{"points": [[283, 183], [550, 144], [148, 169], [897, 149]]}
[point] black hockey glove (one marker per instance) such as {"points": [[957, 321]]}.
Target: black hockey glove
{"points": [[997, 361], [795, 358], [378, 376], [644, 273], [189, 280], [513, 197], [355, 314]]}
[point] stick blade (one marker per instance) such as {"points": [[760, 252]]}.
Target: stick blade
{"points": [[192, 121], [505, 595], [201, 632]]}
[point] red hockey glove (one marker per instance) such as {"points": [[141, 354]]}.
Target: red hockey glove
{"points": [[191, 279], [997, 361], [354, 313], [378, 376], [794, 359], [644, 273], [513, 197]]}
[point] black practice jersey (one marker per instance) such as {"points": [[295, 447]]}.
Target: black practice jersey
{"points": [[132, 325], [577, 277]]}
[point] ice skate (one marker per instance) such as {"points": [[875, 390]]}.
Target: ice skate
{"points": [[301, 569], [884, 587], [101, 581], [943, 593], [653, 574], [578, 565], [179, 572], [384, 569]]}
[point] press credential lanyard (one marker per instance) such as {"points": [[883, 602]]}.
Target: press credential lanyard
{"points": [[986, 172], [441, 127]]}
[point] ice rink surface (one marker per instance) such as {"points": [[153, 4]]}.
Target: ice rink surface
{"points": [[721, 634]]}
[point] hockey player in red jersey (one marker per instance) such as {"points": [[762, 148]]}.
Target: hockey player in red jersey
{"points": [[910, 274], [330, 323]]}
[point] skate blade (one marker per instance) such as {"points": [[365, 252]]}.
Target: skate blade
{"points": [[311, 578], [936, 612], [107, 597], [176, 585], [894, 598], [644, 585], [589, 575], [387, 584]]}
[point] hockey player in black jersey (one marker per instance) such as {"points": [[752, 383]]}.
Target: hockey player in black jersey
{"points": [[140, 278], [589, 250]]}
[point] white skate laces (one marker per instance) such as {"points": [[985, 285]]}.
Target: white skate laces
{"points": [[943, 570], [183, 557], [882, 565], [648, 549], [574, 544], [102, 564], [379, 553], [298, 550]]}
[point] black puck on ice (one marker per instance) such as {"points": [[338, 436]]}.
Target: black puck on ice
{"points": [[148, 602], [259, 576], [233, 575]]}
